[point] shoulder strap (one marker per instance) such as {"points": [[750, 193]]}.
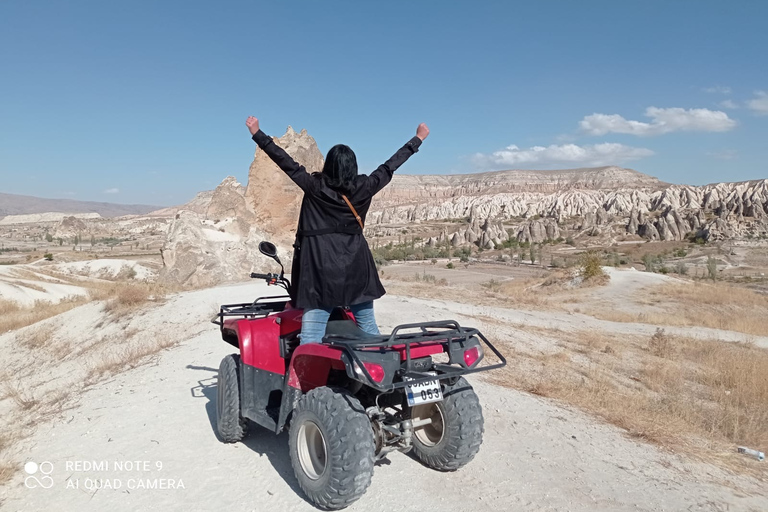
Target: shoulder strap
{"points": [[354, 212]]}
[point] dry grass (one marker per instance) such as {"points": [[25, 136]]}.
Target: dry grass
{"points": [[702, 397], [123, 298], [31, 286], [43, 275], [14, 316], [26, 412], [698, 293], [8, 307], [423, 277], [7, 469], [525, 292], [23, 399], [26, 401], [35, 338], [130, 355], [660, 344], [718, 307]]}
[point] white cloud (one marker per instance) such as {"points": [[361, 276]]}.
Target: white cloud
{"points": [[718, 89], [663, 120], [759, 104], [112, 191], [559, 155], [728, 104]]}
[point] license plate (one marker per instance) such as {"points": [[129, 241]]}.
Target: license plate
{"points": [[424, 392]]}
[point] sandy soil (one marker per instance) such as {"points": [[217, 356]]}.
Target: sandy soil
{"points": [[104, 268], [536, 455], [26, 291]]}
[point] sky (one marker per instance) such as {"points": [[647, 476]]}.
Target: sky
{"points": [[145, 101]]}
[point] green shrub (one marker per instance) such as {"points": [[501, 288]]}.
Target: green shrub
{"points": [[591, 265]]}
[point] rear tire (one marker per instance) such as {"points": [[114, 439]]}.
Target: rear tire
{"points": [[332, 447], [229, 424], [455, 434]]}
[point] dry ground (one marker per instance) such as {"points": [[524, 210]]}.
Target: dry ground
{"points": [[692, 389], [671, 382]]}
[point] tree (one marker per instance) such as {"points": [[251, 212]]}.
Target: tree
{"points": [[650, 262], [712, 267], [532, 253], [48, 237], [591, 265]]}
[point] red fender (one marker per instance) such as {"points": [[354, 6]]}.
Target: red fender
{"points": [[259, 344], [310, 365]]}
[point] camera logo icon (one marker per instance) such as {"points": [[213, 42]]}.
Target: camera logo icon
{"points": [[38, 475]]}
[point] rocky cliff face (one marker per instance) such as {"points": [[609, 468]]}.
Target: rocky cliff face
{"points": [[584, 199], [218, 246], [442, 188], [272, 197], [198, 204], [217, 240]]}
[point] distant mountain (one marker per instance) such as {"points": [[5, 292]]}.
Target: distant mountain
{"points": [[12, 204], [198, 204]]}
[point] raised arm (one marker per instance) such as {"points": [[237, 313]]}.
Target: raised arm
{"points": [[383, 174], [289, 166]]}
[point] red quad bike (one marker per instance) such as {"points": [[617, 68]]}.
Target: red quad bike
{"points": [[353, 398]]}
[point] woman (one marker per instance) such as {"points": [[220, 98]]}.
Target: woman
{"points": [[332, 264]]}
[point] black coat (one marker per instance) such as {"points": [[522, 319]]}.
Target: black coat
{"points": [[332, 264]]}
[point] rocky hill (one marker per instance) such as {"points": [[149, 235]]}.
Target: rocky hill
{"points": [[12, 204], [198, 204], [221, 230], [412, 188], [640, 206]]}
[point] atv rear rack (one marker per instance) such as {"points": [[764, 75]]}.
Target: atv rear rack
{"points": [[452, 335], [261, 307]]}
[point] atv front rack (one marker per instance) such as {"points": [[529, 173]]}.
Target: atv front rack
{"points": [[261, 307], [454, 337]]}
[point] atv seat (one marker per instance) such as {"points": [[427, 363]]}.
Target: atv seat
{"points": [[347, 331]]}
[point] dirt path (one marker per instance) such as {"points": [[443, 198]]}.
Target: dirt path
{"points": [[536, 455], [434, 309]]}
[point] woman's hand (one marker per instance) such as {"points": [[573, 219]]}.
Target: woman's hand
{"points": [[253, 125], [421, 132]]}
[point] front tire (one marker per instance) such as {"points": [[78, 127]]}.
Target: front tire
{"points": [[229, 424], [453, 436], [332, 447]]}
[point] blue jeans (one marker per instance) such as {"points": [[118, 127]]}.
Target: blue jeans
{"points": [[314, 321]]}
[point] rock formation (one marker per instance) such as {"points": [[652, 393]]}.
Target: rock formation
{"points": [[538, 230], [200, 252], [216, 237], [219, 241], [272, 197], [588, 200], [69, 227], [219, 246]]}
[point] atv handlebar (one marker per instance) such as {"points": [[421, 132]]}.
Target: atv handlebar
{"points": [[273, 279]]}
